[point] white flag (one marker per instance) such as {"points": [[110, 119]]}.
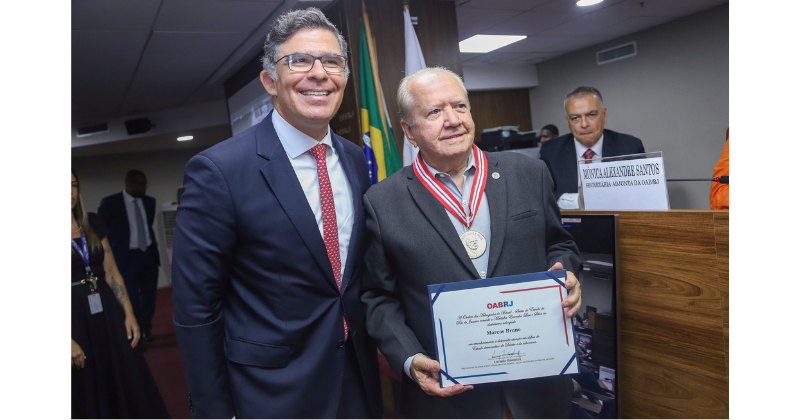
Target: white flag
{"points": [[414, 62]]}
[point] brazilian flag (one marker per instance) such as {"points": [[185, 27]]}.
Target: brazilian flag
{"points": [[379, 148]]}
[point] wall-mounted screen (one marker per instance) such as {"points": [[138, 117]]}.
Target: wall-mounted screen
{"points": [[249, 106]]}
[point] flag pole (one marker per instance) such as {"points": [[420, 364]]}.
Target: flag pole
{"points": [[373, 59]]}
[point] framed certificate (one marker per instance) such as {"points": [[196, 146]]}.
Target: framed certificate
{"points": [[502, 329]]}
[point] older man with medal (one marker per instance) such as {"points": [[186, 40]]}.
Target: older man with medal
{"points": [[457, 214]]}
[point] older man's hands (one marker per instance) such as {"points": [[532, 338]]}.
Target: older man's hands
{"points": [[573, 301], [425, 372]]}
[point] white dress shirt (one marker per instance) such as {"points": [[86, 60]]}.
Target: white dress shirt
{"points": [[569, 201], [581, 149], [297, 144], [131, 201]]}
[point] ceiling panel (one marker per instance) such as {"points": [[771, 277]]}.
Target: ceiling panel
{"points": [[529, 23], [183, 43], [135, 56], [184, 79], [519, 5], [113, 15], [534, 43], [630, 26], [584, 25], [569, 7], [578, 43], [149, 99], [205, 95], [96, 99], [177, 63], [128, 43], [473, 21], [497, 57], [541, 56], [213, 15], [665, 8], [103, 65]]}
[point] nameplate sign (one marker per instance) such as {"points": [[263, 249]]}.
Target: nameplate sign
{"points": [[632, 182]]}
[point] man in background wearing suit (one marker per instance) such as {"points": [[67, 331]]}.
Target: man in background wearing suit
{"points": [[588, 139], [268, 249], [129, 216], [413, 241]]}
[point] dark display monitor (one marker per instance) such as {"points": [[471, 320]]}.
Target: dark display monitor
{"points": [[597, 326]]}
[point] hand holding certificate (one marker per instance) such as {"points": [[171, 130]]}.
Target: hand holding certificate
{"points": [[504, 329]]}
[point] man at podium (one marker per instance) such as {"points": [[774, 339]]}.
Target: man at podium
{"points": [[588, 139]]}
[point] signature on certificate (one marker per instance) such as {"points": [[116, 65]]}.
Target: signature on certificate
{"points": [[506, 354]]}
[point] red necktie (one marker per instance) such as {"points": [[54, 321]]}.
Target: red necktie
{"points": [[329, 226], [588, 155]]}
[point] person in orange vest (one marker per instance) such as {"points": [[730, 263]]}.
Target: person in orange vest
{"points": [[719, 192]]}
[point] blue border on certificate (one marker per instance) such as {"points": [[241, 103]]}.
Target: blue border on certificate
{"points": [[438, 289]]}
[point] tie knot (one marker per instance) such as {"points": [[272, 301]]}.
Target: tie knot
{"points": [[588, 154], [318, 152]]}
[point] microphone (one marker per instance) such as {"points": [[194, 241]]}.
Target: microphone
{"points": [[719, 179]]}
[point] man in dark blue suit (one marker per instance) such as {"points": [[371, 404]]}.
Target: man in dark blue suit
{"points": [[268, 249], [129, 216], [588, 139]]}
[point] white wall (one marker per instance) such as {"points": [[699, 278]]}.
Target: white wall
{"points": [[673, 95], [496, 77], [101, 176]]}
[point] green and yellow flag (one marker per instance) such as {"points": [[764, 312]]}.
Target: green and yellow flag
{"points": [[379, 146]]}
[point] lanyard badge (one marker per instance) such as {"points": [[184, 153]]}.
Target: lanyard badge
{"points": [[95, 304]]}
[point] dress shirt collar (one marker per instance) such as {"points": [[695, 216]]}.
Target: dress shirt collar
{"points": [[470, 165], [597, 148], [294, 141], [128, 198]]}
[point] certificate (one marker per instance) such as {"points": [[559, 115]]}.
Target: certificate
{"points": [[502, 329]]}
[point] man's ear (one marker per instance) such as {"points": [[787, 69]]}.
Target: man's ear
{"points": [[268, 83], [408, 133]]}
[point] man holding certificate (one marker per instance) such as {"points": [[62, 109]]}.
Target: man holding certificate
{"points": [[459, 214]]}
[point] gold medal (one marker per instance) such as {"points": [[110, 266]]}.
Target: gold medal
{"points": [[474, 242]]}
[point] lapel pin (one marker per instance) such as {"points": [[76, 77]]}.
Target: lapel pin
{"points": [[495, 175]]}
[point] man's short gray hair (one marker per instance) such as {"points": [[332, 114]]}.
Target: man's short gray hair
{"points": [[580, 92], [286, 25], [405, 101]]}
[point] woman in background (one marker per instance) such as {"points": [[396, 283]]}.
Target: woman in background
{"points": [[110, 378]]}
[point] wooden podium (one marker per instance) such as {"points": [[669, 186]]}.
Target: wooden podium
{"points": [[673, 301]]}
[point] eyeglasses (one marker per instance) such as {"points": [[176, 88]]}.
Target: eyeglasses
{"points": [[301, 62]]}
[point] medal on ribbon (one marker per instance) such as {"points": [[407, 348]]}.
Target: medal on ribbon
{"points": [[474, 242]]}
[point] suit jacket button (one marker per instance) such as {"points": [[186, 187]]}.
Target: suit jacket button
{"points": [[340, 344]]}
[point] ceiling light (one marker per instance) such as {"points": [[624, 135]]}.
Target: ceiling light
{"points": [[486, 43], [584, 3], [185, 138]]}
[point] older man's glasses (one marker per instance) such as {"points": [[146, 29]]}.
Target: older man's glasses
{"points": [[301, 62]]}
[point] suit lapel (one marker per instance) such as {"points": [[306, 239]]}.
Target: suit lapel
{"points": [[436, 214], [354, 249], [571, 166], [498, 212], [281, 178], [608, 145]]}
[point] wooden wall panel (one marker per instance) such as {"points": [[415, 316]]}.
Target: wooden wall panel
{"points": [[437, 31], [494, 108], [347, 122], [721, 233], [673, 306]]}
